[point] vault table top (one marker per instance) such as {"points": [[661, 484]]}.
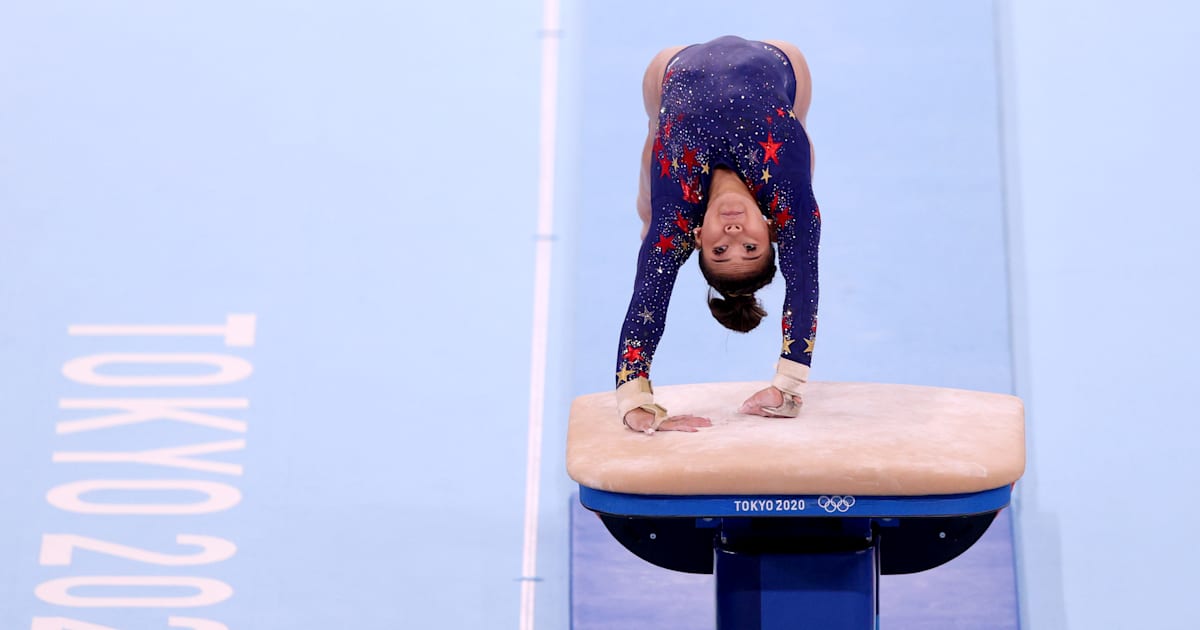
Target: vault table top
{"points": [[865, 439]]}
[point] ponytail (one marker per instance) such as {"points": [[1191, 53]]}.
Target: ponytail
{"points": [[737, 308], [741, 313]]}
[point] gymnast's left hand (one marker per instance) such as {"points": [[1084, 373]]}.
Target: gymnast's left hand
{"points": [[772, 403]]}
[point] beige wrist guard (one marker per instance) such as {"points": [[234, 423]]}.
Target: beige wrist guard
{"points": [[639, 394], [790, 378]]}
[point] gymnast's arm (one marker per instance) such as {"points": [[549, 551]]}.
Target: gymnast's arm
{"points": [[659, 258], [798, 231], [798, 227]]}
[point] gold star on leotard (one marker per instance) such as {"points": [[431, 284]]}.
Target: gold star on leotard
{"points": [[787, 346], [809, 345], [766, 176], [675, 163], [623, 375], [704, 169], [646, 315]]}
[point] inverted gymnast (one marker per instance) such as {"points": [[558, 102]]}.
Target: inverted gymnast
{"points": [[727, 170]]}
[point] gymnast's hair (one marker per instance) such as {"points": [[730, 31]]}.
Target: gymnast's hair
{"points": [[737, 308]]}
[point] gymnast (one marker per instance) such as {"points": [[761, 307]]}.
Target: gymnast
{"points": [[727, 170]]}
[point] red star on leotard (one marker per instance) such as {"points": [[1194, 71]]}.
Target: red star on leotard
{"points": [[689, 158], [691, 190], [658, 145], [817, 212], [783, 216], [633, 355], [665, 166], [771, 149], [667, 128], [774, 205], [683, 223], [665, 244], [779, 110]]}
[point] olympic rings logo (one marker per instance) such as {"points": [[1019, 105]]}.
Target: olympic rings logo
{"points": [[835, 503]]}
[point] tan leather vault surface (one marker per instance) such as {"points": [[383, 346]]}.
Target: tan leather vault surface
{"points": [[850, 438]]}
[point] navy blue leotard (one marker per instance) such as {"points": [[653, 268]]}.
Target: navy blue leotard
{"points": [[726, 103]]}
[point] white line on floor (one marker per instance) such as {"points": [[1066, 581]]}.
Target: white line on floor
{"points": [[541, 305]]}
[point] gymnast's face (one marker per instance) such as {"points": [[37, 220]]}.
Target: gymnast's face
{"points": [[735, 236]]}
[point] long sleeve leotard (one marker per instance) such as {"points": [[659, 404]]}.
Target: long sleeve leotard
{"points": [[725, 104]]}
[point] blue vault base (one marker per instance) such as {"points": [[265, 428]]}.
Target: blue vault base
{"points": [[796, 561]]}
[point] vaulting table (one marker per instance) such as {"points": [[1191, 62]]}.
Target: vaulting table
{"points": [[798, 517]]}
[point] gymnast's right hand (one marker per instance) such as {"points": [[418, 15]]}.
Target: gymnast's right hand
{"points": [[641, 420]]}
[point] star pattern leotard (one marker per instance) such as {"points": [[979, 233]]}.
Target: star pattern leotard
{"points": [[726, 103]]}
